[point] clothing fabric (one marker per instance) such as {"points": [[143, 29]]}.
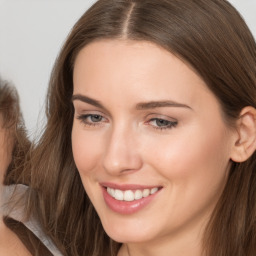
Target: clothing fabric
{"points": [[13, 192]]}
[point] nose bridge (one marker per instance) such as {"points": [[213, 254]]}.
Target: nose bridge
{"points": [[122, 151]]}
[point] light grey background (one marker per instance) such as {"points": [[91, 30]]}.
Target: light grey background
{"points": [[31, 34]]}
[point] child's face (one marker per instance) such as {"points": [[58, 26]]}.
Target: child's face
{"points": [[5, 150]]}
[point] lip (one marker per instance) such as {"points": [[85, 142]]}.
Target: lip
{"points": [[124, 207]]}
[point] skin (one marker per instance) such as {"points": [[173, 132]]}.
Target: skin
{"points": [[189, 159], [5, 152], [10, 244]]}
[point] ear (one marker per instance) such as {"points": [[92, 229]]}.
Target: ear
{"points": [[245, 143]]}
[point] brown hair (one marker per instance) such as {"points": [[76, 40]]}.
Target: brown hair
{"points": [[210, 36], [12, 122], [9, 105]]}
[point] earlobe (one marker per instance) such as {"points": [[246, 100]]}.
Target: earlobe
{"points": [[245, 143]]}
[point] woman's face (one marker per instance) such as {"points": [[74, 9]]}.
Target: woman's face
{"points": [[148, 139]]}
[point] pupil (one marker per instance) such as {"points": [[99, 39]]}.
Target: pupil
{"points": [[161, 122], [96, 118]]}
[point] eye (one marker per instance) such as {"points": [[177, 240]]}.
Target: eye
{"points": [[95, 118], [161, 124], [92, 119]]}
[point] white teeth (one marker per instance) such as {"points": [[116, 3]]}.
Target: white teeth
{"points": [[119, 195], [138, 194], [153, 191], [129, 195], [146, 192], [111, 191]]}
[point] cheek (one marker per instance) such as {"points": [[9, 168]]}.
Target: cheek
{"points": [[87, 150], [6, 146], [192, 155], [195, 169]]}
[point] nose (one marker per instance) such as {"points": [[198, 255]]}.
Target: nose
{"points": [[122, 154]]}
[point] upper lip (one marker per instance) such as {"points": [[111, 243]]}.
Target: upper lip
{"points": [[128, 186]]}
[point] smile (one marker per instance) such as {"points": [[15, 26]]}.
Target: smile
{"points": [[130, 195], [128, 199]]}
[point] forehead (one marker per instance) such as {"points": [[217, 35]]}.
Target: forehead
{"points": [[139, 69]]}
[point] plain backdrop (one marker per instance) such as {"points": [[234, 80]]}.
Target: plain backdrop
{"points": [[31, 35]]}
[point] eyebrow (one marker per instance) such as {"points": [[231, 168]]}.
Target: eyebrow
{"points": [[88, 100], [139, 106], [160, 104]]}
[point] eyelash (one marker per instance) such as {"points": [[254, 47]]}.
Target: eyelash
{"points": [[83, 119], [168, 124]]}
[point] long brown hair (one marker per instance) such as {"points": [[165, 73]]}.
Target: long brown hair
{"points": [[210, 36]]}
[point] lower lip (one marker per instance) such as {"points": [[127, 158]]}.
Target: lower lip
{"points": [[124, 207]]}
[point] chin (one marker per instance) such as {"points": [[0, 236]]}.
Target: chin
{"points": [[128, 233], [129, 238]]}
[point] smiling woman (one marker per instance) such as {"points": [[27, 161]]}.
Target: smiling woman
{"points": [[137, 154], [152, 131]]}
